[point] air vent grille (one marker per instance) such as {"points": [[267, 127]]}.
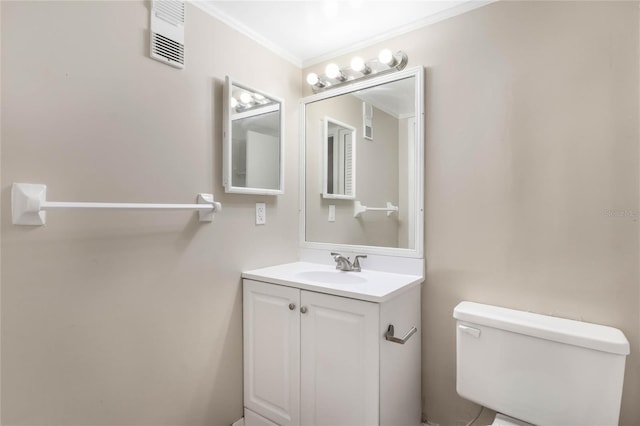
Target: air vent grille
{"points": [[367, 120], [168, 49], [167, 32], [170, 11]]}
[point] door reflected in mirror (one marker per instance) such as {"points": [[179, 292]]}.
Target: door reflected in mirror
{"points": [[252, 141], [339, 159]]}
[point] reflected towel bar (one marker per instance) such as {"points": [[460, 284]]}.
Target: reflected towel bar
{"points": [[29, 202], [358, 209]]}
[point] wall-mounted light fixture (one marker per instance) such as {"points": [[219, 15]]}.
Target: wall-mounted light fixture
{"points": [[333, 76]]}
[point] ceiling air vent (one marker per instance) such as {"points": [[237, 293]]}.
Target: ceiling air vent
{"points": [[167, 32]]}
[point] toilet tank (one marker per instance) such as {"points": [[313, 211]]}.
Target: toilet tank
{"points": [[540, 369]]}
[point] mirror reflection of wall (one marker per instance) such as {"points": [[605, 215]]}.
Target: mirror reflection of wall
{"points": [[253, 141], [256, 151], [385, 168]]}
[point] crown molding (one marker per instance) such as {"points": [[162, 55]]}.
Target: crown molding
{"points": [[207, 7], [429, 20]]}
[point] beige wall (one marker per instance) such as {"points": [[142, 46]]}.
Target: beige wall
{"points": [[128, 318], [531, 154], [378, 179], [135, 318]]}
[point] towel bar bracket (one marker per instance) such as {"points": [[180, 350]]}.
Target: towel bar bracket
{"points": [[358, 209]]}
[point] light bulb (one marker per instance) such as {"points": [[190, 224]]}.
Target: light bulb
{"points": [[258, 97], [386, 57], [245, 98], [312, 78], [357, 64], [332, 71], [234, 102]]}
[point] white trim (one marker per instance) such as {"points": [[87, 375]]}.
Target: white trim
{"points": [[246, 31], [424, 22], [210, 9]]}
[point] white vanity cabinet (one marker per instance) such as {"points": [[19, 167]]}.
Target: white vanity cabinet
{"points": [[312, 358], [271, 339]]}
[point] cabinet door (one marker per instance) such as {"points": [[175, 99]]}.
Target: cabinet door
{"points": [[253, 419], [339, 361], [272, 351]]}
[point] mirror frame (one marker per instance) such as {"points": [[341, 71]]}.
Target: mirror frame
{"points": [[418, 191], [325, 159], [227, 142]]}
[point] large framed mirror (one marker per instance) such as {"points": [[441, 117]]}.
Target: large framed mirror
{"points": [[385, 214], [253, 145]]}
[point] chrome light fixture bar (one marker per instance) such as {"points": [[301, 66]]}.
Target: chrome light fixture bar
{"points": [[243, 100], [359, 69]]}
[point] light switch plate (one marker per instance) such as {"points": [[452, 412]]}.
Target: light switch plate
{"points": [[261, 213], [332, 213]]}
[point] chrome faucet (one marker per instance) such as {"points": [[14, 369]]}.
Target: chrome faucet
{"points": [[344, 264]]}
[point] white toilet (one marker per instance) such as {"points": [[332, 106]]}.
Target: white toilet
{"points": [[539, 369]]}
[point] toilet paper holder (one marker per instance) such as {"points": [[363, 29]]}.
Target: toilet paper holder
{"points": [[389, 335]]}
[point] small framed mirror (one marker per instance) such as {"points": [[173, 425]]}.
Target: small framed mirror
{"points": [[339, 160], [253, 146]]}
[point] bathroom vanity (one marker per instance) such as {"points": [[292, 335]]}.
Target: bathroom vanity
{"points": [[318, 349], [327, 347]]}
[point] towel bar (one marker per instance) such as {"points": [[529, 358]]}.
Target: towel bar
{"points": [[29, 204]]}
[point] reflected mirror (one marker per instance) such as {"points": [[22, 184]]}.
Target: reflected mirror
{"points": [[339, 159], [381, 212], [252, 141]]}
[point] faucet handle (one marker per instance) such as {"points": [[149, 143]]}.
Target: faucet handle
{"points": [[334, 254], [356, 261]]}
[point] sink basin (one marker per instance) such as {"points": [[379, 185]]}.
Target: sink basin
{"points": [[369, 285], [328, 277]]}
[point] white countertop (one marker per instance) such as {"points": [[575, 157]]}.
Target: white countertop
{"points": [[369, 285]]}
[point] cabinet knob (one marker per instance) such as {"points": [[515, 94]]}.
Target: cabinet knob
{"points": [[292, 306], [303, 309]]}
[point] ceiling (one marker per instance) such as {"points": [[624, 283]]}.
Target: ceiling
{"points": [[307, 32], [396, 98]]}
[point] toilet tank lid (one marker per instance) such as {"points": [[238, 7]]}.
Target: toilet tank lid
{"points": [[577, 333]]}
